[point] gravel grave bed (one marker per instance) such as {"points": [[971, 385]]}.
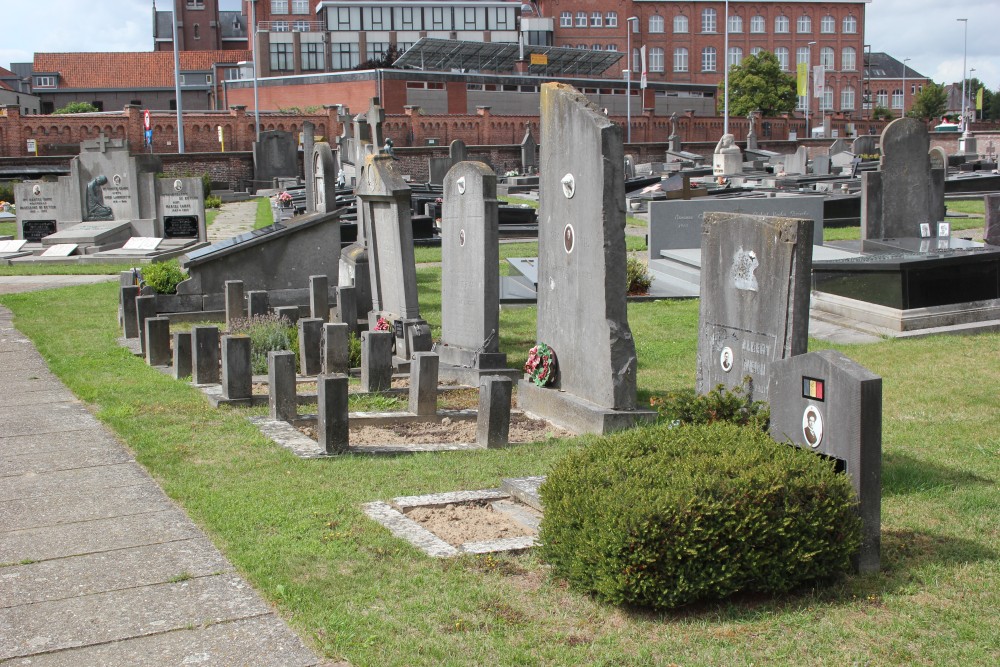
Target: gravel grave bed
{"points": [[522, 429], [458, 523]]}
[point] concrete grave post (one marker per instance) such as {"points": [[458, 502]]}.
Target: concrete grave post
{"points": [[258, 303], [237, 371], [827, 403], [290, 313], [333, 429], [470, 281], [754, 306], [581, 275], [376, 360], [281, 399], [992, 231], [130, 321], [347, 307], [310, 333], [158, 341], [145, 308], [319, 297], [205, 354], [234, 302], [182, 354], [384, 206], [336, 356], [423, 383], [493, 418]]}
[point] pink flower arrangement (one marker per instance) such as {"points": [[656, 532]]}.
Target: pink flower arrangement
{"points": [[541, 366], [382, 324]]}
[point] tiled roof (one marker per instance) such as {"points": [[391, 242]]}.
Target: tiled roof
{"points": [[6, 73], [132, 70]]}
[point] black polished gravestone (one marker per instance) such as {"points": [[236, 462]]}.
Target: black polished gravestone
{"points": [[828, 404], [180, 227], [35, 230]]}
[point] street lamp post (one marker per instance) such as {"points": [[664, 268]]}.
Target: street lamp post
{"points": [[973, 109], [725, 85], [905, 60], [256, 100], [177, 85], [629, 27], [965, 46]]}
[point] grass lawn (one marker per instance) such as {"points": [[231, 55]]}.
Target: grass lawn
{"points": [[295, 529], [264, 217], [8, 228]]}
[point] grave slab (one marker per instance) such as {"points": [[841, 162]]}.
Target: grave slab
{"points": [[92, 233]]}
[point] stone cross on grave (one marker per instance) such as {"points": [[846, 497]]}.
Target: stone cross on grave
{"points": [[100, 143], [376, 117], [344, 117]]}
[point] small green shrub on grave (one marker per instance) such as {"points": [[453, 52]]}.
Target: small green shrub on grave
{"points": [[685, 406], [268, 333], [667, 516], [354, 353], [638, 278], [212, 201], [163, 276]]}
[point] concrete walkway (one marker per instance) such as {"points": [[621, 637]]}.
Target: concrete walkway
{"points": [[234, 218], [97, 565]]}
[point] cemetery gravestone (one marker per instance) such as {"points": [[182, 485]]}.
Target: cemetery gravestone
{"points": [[797, 162], [308, 148], [182, 354], [204, 354], [324, 178], [281, 399], [182, 209], [865, 144], [438, 167], [237, 371], [529, 152], [376, 361], [827, 403], [754, 307], [336, 351], [581, 278], [727, 159], [992, 231], [333, 432], [493, 417], [275, 155]]}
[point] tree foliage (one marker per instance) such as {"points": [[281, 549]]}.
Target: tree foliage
{"points": [[384, 61], [77, 107], [931, 102], [759, 84]]}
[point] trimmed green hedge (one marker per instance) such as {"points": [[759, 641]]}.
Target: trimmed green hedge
{"points": [[164, 276], [666, 516]]}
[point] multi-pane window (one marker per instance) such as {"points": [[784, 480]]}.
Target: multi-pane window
{"points": [[566, 20], [300, 6], [680, 59], [848, 59], [756, 51], [735, 23], [409, 18], [503, 19], [708, 17], [349, 18], [828, 24], [345, 55], [735, 56], [279, 6], [596, 19], [708, 59], [802, 101], [280, 26], [882, 98], [611, 47], [581, 19], [826, 102], [781, 24], [655, 23], [636, 60], [757, 24], [781, 53], [300, 26], [377, 18], [656, 59], [826, 57], [312, 55], [438, 21], [282, 57], [847, 99], [804, 24], [802, 55], [611, 19], [375, 50], [680, 23], [45, 82], [850, 25], [596, 47], [897, 98]]}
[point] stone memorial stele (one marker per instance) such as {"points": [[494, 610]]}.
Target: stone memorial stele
{"points": [[384, 207], [727, 158], [905, 192], [991, 232], [470, 281], [581, 275], [529, 152], [275, 155], [754, 307], [828, 404], [797, 162], [324, 178]]}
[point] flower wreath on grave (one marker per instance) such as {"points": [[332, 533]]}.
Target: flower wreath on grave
{"points": [[382, 324], [541, 366], [285, 198]]}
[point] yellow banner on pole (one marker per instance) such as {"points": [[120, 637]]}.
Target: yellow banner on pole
{"points": [[979, 100], [803, 79]]}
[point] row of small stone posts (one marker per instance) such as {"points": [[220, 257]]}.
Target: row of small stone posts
{"points": [[257, 302]]}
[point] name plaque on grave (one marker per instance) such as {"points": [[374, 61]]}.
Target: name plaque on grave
{"points": [[739, 353], [38, 206], [117, 195], [180, 226], [34, 231]]}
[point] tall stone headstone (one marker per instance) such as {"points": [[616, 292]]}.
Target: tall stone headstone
{"points": [[308, 145], [865, 145], [754, 307], [827, 403], [797, 162], [275, 155], [324, 178], [470, 281], [581, 275], [438, 167], [529, 152], [992, 231], [905, 192], [384, 207], [752, 118]]}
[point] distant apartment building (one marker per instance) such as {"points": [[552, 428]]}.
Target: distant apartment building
{"points": [[891, 84]]}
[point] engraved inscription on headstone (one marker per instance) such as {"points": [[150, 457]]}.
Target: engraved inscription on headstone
{"points": [[33, 231], [180, 226]]}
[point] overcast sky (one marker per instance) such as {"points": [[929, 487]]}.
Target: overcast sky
{"points": [[926, 31]]}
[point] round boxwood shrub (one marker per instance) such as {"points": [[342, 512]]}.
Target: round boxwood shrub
{"points": [[665, 516], [163, 276]]}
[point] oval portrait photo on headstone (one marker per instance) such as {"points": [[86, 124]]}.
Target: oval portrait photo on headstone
{"points": [[812, 426], [461, 237], [726, 359], [569, 238], [178, 186]]}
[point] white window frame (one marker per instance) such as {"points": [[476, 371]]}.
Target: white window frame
{"points": [[848, 59], [300, 7], [803, 54], [784, 57], [279, 6], [709, 20], [758, 25], [734, 57], [566, 20], [681, 24], [782, 24], [709, 59], [656, 24], [611, 19], [828, 25], [596, 20], [850, 25], [897, 98], [804, 25], [681, 63], [656, 59], [827, 57], [735, 24], [847, 98], [581, 19]]}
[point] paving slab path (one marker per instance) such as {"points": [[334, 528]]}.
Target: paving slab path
{"points": [[97, 565], [234, 218]]}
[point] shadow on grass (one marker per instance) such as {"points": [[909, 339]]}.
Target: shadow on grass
{"points": [[903, 475]]}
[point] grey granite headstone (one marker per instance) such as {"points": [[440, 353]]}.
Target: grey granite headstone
{"points": [[181, 209], [281, 401], [333, 431], [866, 144], [376, 360], [310, 337], [797, 162], [355, 271], [324, 177], [145, 308], [992, 231], [470, 281], [234, 302], [905, 192], [182, 354], [205, 354], [308, 148], [275, 156], [754, 307], [838, 146], [529, 152], [827, 403], [384, 206], [257, 303], [581, 280], [290, 313], [493, 418], [347, 307], [423, 383], [237, 372], [130, 323], [158, 341], [821, 165], [319, 297], [336, 355]]}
